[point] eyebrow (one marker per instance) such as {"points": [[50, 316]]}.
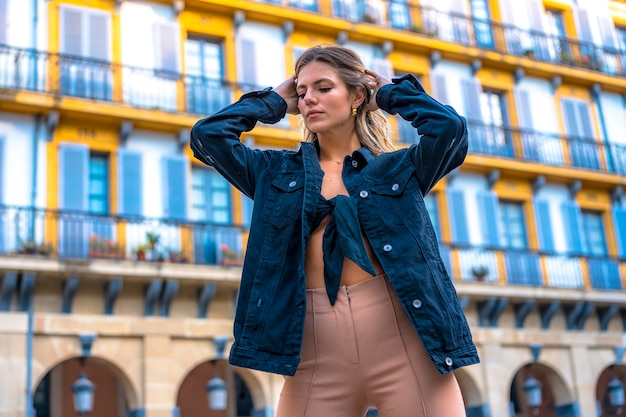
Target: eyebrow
{"points": [[321, 80]]}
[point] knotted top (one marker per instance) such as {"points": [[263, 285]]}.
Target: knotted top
{"points": [[342, 239]]}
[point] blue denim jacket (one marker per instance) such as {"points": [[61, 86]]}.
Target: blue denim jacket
{"points": [[285, 186]]}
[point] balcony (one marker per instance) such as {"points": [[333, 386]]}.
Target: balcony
{"points": [[68, 76], [463, 29], [75, 236], [546, 148], [79, 236]]}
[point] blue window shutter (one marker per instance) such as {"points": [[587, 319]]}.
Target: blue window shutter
{"points": [[175, 187], [439, 88], [1, 171], [3, 21], [248, 62], [247, 206], [130, 192], [471, 99], [619, 216], [73, 177], [524, 113], [572, 221], [544, 226], [458, 217], [488, 203]]}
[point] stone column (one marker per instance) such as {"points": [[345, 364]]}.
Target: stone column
{"points": [[13, 334], [158, 384]]}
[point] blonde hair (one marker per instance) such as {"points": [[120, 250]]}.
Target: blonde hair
{"points": [[372, 127]]}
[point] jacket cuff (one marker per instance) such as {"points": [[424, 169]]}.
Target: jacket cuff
{"points": [[275, 103], [383, 96]]}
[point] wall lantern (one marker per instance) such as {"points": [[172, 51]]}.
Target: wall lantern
{"points": [[82, 390], [217, 393], [615, 394], [532, 389]]}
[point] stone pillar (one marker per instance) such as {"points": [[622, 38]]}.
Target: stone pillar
{"points": [[158, 384], [494, 375], [13, 367], [584, 384]]}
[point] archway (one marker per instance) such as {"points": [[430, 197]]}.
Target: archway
{"points": [[192, 399], [552, 395], [474, 405], [54, 398], [606, 407]]}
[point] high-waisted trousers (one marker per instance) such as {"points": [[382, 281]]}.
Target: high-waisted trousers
{"points": [[364, 353]]}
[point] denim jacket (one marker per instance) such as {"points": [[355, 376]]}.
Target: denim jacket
{"points": [[285, 186]]}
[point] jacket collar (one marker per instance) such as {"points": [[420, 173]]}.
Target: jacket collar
{"points": [[362, 155]]}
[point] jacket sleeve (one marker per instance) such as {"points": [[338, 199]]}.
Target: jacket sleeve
{"points": [[215, 140], [443, 133]]}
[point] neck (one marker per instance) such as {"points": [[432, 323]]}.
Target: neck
{"points": [[336, 150]]}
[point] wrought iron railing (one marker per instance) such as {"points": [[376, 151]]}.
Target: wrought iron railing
{"points": [[530, 267], [546, 148], [25, 69], [463, 29], [79, 235]]}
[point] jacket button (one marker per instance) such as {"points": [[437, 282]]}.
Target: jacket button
{"points": [[355, 163], [292, 184], [417, 303], [364, 194], [387, 247], [449, 361], [395, 187]]}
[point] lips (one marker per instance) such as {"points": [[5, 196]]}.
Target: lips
{"points": [[313, 113]]}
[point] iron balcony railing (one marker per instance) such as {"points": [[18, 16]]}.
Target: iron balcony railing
{"points": [[79, 235], [25, 69], [546, 148], [533, 268], [463, 29]]}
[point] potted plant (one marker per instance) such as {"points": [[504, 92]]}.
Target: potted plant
{"points": [[530, 53], [105, 248], [140, 252], [480, 272], [230, 256], [31, 247]]}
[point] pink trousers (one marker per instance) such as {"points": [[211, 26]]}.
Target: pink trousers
{"points": [[364, 353]]}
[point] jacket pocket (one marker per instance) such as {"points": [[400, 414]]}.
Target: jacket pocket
{"points": [[397, 184], [286, 197]]}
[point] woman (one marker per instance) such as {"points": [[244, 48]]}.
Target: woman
{"points": [[343, 289]]}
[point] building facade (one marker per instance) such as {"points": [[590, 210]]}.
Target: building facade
{"points": [[120, 254]]}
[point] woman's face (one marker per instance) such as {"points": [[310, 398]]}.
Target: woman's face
{"points": [[323, 99]]}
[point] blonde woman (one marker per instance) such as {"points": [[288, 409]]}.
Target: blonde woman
{"points": [[343, 289]]}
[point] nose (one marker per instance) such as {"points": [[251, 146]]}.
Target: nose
{"points": [[308, 97]]}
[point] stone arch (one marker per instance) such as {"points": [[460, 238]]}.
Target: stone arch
{"points": [[601, 385], [113, 392], [554, 390], [123, 356], [244, 388], [470, 390]]}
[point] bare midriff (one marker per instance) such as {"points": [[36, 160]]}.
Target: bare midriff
{"points": [[332, 185]]}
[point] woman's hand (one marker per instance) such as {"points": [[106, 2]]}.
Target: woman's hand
{"points": [[287, 90], [376, 81]]}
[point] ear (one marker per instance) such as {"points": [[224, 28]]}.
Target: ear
{"points": [[358, 97]]}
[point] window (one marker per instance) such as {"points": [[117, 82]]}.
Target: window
{"points": [[593, 233], [621, 36], [85, 33], [3, 21], [206, 92], [494, 115], [512, 225], [211, 199], [482, 28], [430, 201], [98, 197], [556, 27]]}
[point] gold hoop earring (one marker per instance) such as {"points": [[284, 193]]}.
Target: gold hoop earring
{"points": [[354, 112]]}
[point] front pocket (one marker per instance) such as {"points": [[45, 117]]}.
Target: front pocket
{"points": [[285, 202]]}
